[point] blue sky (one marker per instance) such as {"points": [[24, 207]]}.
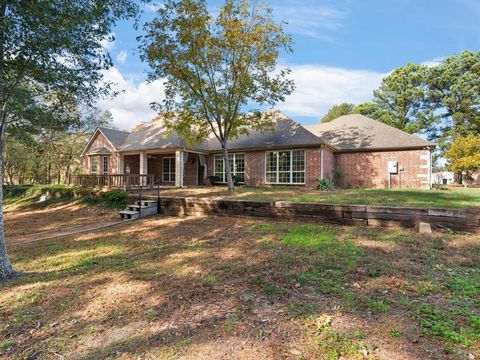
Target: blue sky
{"points": [[342, 49]]}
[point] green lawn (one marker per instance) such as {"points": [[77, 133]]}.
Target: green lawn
{"points": [[167, 288], [451, 198]]}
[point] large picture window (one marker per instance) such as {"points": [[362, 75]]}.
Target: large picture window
{"points": [[285, 167], [169, 169], [93, 164], [237, 164], [105, 165]]}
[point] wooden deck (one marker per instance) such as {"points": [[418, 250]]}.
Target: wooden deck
{"points": [[120, 181]]}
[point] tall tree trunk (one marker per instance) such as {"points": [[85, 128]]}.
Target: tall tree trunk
{"points": [[228, 170], [6, 270]]}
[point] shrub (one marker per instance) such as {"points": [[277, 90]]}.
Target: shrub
{"points": [[338, 176], [115, 196], [325, 185], [214, 180]]}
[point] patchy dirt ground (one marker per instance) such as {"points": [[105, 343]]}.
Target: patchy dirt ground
{"points": [[37, 219], [234, 288]]}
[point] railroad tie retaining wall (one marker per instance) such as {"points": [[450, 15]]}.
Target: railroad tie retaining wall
{"points": [[455, 219]]}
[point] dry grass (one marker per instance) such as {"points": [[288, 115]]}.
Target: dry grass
{"points": [[211, 288], [451, 198], [36, 217]]}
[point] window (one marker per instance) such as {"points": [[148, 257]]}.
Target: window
{"points": [[237, 165], [105, 165], [285, 167], [93, 164], [169, 169]]}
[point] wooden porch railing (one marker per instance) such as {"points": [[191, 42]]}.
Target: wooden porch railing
{"points": [[121, 181]]}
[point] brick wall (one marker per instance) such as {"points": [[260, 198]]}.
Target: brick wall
{"points": [[328, 164], [369, 169], [190, 174], [100, 141], [255, 166]]}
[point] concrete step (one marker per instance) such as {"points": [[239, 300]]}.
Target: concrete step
{"points": [[137, 207], [147, 203], [133, 211], [128, 214]]}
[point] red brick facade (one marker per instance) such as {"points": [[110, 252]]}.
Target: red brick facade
{"points": [[255, 167], [101, 141], [370, 169], [352, 169]]}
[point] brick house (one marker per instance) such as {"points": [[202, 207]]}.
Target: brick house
{"points": [[353, 150]]}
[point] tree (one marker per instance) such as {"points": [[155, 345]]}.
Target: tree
{"points": [[454, 92], [219, 70], [51, 59], [337, 111], [464, 155], [401, 99]]}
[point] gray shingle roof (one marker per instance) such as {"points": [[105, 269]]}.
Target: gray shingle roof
{"points": [[116, 137], [101, 150], [286, 132], [357, 132], [151, 135]]}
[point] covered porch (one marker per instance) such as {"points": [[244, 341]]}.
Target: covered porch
{"points": [[148, 169]]}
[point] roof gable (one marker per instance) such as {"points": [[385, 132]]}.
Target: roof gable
{"points": [[116, 137], [358, 132]]}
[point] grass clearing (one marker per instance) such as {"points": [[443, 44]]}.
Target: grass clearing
{"points": [[205, 287], [453, 197]]}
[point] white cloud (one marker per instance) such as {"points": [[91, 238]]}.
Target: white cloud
{"points": [[434, 62], [153, 7], [310, 18], [131, 106], [122, 56], [108, 43], [319, 87]]}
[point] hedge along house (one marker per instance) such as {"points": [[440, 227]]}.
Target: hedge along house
{"points": [[355, 150]]}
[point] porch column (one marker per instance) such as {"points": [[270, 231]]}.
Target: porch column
{"points": [[143, 167], [121, 164], [179, 168]]}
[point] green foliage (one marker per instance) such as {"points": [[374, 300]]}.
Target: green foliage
{"points": [[337, 111], [310, 236], [465, 284], [115, 196], [325, 185], [301, 309], [219, 69], [444, 324], [402, 99], [272, 289], [454, 92], [464, 154]]}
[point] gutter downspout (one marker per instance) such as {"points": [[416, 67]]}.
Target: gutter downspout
{"points": [[429, 168], [321, 164]]}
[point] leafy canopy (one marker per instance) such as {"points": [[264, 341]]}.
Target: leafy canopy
{"points": [[51, 58], [454, 92], [464, 155], [219, 70], [337, 111]]}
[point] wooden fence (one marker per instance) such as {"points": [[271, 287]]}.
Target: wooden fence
{"points": [[459, 220]]}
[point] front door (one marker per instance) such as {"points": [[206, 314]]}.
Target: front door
{"points": [[201, 170]]}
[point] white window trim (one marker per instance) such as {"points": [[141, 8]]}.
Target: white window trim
{"points": [[169, 172], [90, 165], [224, 180], [103, 165], [291, 167]]}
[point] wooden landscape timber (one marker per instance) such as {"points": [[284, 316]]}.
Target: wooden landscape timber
{"points": [[407, 217]]}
